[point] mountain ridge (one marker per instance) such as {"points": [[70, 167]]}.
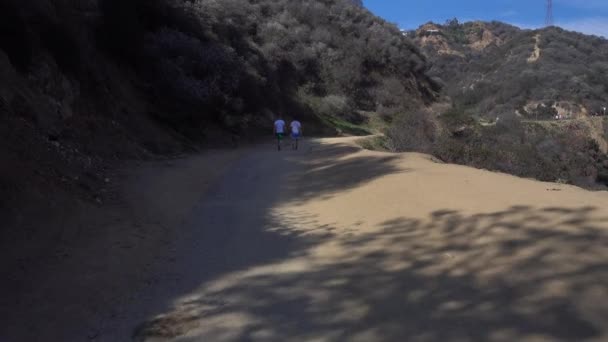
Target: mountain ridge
{"points": [[497, 69]]}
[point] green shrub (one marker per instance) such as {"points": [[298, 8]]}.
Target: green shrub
{"points": [[207, 63], [457, 116]]}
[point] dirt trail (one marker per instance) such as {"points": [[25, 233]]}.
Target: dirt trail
{"points": [[334, 243], [536, 53]]}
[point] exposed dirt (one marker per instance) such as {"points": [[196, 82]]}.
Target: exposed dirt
{"points": [[329, 243], [430, 35], [535, 56], [487, 38], [565, 109]]}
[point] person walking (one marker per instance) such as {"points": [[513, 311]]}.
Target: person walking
{"points": [[279, 131], [296, 133]]}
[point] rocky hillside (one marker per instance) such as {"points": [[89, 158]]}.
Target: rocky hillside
{"points": [[493, 69]]}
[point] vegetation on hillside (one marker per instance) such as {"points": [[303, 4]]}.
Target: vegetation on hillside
{"points": [[500, 83], [89, 81], [230, 63], [494, 70], [150, 73]]}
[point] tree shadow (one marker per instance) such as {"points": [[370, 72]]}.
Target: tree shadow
{"points": [[233, 228], [515, 275], [324, 178]]}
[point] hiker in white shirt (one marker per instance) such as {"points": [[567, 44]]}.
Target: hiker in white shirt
{"points": [[296, 133], [279, 131]]}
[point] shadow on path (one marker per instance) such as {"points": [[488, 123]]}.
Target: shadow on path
{"points": [[515, 275], [241, 272], [233, 229]]}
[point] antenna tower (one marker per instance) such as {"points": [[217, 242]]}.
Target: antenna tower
{"points": [[549, 18]]}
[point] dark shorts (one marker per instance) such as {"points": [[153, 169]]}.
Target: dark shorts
{"points": [[280, 136], [295, 135]]}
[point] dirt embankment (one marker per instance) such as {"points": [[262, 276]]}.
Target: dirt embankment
{"points": [[536, 53]]}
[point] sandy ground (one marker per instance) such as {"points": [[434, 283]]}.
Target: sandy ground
{"points": [[334, 243]]}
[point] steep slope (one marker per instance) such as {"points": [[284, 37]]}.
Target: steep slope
{"points": [[239, 62]]}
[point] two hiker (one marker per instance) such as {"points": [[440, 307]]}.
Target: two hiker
{"points": [[296, 132]]}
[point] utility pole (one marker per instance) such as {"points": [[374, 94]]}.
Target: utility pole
{"points": [[549, 17]]}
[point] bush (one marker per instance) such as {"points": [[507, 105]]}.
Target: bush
{"points": [[195, 78], [412, 131], [457, 116], [544, 111], [339, 106], [511, 146], [207, 62], [388, 114], [340, 54]]}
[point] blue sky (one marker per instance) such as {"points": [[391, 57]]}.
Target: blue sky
{"points": [[588, 16]]}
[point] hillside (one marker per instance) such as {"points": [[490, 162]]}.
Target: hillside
{"points": [[494, 69], [502, 86], [87, 83]]}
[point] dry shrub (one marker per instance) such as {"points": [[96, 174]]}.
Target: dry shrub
{"points": [[413, 131]]}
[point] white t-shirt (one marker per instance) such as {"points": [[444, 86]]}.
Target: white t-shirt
{"points": [[279, 126], [296, 126]]}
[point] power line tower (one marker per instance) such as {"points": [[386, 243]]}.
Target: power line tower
{"points": [[549, 18]]}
